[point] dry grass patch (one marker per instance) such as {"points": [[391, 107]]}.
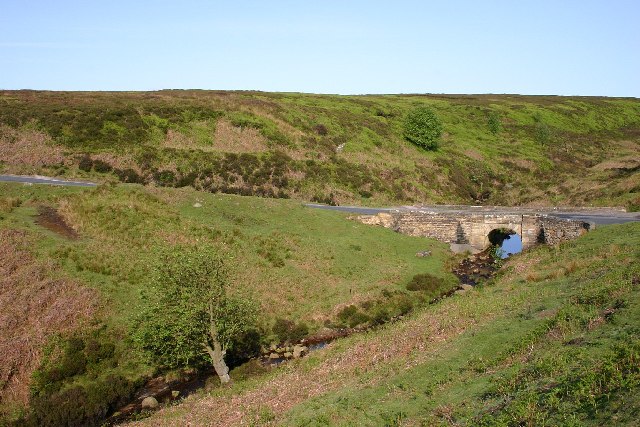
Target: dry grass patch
{"points": [[29, 147], [233, 139], [34, 305]]}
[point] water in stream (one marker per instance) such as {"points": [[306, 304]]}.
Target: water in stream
{"points": [[510, 246]]}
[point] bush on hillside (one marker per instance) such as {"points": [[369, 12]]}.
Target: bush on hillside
{"points": [[286, 330], [352, 317], [423, 128], [494, 122], [424, 282], [80, 405], [85, 163]]}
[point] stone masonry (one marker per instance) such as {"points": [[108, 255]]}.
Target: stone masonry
{"points": [[473, 228]]}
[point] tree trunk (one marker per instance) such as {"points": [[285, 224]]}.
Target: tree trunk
{"points": [[217, 352], [217, 358]]}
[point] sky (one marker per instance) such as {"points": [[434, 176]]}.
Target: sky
{"points": [[558, 47]]}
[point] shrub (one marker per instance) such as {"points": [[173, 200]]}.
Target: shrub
{"points": [[129, 175], [424, 282], [542, 133], [287, 330], [351, 316], [85, 163], [80, 405], [101, 166], [423, 128], [494, 122], [97, 351], [404, 305], [165, 178], [380, 316], [321, 129]]}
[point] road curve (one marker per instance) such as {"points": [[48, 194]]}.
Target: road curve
{"points": [[597, 216], [45, 180]]}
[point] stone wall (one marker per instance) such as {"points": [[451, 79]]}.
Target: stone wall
{"points": [[556, 230], [473, 227]]}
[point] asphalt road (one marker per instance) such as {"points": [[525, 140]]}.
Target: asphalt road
{"points": [[45, 180], [596, 216]]}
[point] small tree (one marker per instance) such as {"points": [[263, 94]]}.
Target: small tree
{"points": [[190, 319], [542, 133], [423, 128]]}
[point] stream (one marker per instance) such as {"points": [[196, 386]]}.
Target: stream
{"points": [[470, 271]]}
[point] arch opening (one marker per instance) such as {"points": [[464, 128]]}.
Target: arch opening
{"points": [[507, 240]]}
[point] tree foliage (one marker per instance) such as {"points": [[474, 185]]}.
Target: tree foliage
{"points": [[190, 315], [423, 128]]}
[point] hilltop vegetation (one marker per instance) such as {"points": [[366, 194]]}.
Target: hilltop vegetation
{"points": [[494, 149]]}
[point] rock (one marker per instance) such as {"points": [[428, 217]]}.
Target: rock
{"points": [[175, 394], [466, 287], [274, 356], [150, 403], [288, 355], [299, 351], [197, 205], [423, 254], [273, 347]]}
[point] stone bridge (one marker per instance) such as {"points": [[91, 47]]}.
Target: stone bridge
{"points": [[472, 227]]}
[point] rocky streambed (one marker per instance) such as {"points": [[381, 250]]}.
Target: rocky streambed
{"points": [[160, 391], [476, 268]]}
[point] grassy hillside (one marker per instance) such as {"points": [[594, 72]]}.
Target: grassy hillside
{"points": [[554, 340], [495, 149], [92, 252]]}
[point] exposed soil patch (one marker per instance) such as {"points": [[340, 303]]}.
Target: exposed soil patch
{"points": [[50, 219]]}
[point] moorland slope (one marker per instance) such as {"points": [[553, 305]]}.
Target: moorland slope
{"points": [[494, 149]]}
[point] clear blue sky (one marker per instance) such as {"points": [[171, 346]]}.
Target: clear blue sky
{"points": [[563, 47]]}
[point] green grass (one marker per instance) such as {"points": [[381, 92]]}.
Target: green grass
{"points": [[297, 263], [553, 340], [588, 146], [526, 365]]}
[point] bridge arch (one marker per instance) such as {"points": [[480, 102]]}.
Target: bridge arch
{"points": [[508, 240]]}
